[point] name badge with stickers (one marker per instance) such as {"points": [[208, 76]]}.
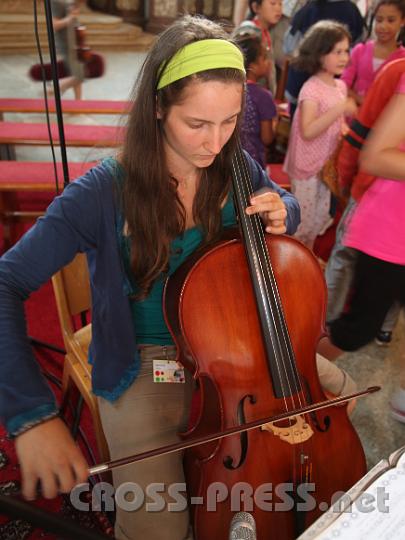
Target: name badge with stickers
{"points": [[168, 371]]}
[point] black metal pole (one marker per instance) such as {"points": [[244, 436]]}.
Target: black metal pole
{"points": [[55, 79], [59, 116]]}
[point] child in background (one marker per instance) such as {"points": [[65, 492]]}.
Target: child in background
{"points": [[353, 179], [264, 14], [318, 122], [367, 58], [343, 11], [383, 157], [64, 21], [376, 232], [260, 110]]}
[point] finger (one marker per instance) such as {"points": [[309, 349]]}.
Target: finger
{"points": [[265, 207], [276, 223], [66, 479], [270, 195], [264, 192], [49, 485], [81, 471], [275, 219], [275, 227], [273, 202], [280, 213], [276, 230], [29, 485]]}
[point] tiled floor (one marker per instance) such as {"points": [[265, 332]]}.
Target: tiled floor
{"points": [[369, 366]]}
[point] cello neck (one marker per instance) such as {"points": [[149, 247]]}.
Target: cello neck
{"points": [[276, 339]]}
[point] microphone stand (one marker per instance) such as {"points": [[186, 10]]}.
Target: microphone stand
{"points": [[56, 88], [59, 116]]}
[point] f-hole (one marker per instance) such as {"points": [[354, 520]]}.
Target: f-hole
{"points": [[228, 460]]}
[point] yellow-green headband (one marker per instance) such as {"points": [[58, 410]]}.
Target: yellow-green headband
{"points": [[200, 56]]}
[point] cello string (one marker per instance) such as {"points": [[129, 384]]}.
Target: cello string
{"points": [[258, 230], [256, 224], [304, 462], [243, 195], [284, 333], [288, 350], [269, 273], [283, 328], [255, 220]]}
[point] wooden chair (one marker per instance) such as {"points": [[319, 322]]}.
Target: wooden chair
{"points": [[71, 287]]}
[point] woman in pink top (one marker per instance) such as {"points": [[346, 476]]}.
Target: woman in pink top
{"points": [[318, 122], [367, 58], [377, 232]]}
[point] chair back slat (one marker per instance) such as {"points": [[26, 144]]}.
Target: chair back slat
{"points": [[76, 282]]}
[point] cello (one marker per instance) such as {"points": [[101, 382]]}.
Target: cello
{"points": [[250, 341], [82, 49]]}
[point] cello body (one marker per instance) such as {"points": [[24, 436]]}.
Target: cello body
{"points": [[283, 474], [82, 49]]}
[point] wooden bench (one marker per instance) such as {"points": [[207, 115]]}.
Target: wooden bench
{"points": [[75, 134], [34, 134], [70, 106], [18, 177]]}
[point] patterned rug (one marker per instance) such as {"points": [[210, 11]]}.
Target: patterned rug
{"points": [[18, 529]]}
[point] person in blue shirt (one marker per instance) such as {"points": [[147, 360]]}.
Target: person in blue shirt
{"points": [[137, 217]]}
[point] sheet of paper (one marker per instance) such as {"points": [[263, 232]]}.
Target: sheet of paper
{"points": [[377, 511], [376, 514]]}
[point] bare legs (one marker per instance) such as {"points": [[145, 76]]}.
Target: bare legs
{"points": [[69, 82]]}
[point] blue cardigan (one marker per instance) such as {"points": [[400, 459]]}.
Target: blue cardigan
{"points": [[83, 219]]}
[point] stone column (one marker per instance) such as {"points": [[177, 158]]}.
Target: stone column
{"points": [[132, 11]]}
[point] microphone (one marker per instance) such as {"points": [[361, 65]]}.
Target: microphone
{"points": [[243, 527]]}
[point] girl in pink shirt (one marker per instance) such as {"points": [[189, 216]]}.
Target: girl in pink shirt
{"points": [[377, 232], [367, 58], [318, 122]]}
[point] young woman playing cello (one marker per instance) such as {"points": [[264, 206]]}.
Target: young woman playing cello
{"points": [[137, 216]]}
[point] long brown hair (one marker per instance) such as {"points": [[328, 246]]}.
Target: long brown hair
{"points": [[317, 42], [152, 209]]}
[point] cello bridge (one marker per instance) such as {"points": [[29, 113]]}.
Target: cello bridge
{"points": [[294, 430]]}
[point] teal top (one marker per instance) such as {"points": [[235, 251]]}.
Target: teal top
{"points": [[86, 218], [148, 314]]}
